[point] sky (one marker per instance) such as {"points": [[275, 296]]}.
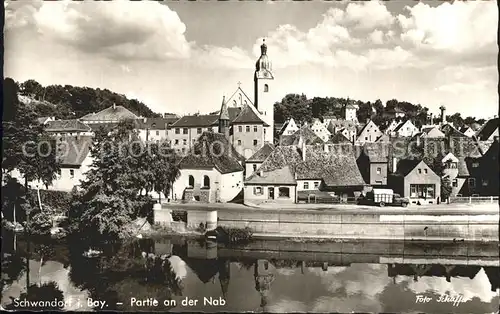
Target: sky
{"points": [[184, 56]]}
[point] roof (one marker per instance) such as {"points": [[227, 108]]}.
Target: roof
{"points": [[363, 127], [334, 169], [383, 138], [405, 166], [223, 114], [277, 176], [74, 150], [450, 131], [248, 116], [213, 150], [106, 126], [308, 135], [66, 126], [197, 121], [42, 120], [113, 113], [156, 123], [262, 153], [338, 138], [488, 129], [463, 170], [377, 152]]}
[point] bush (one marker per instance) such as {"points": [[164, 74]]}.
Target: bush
{"points": [[236, 235]]}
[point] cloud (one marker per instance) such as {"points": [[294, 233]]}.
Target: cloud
{"points": [[369, 14], [116, 29], [377, 37]]}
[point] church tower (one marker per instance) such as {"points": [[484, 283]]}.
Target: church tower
{"points": [[224, 118], [263, 79]]}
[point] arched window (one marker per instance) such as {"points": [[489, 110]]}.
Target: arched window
{"points": [[206, 182], [191, 181], [266, 88], [254, 167]]}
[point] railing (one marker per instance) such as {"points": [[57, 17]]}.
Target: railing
{"points": [[324, 200], [473, 199]]}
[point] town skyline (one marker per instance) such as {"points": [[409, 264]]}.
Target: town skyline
{"points": [[396, 53]]}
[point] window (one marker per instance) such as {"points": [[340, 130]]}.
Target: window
{"points": [[185, 131], [254, 167], [257, 190], [176, 142], [157, 132], [255, 128], [247, 128], [264, 131], [419, 171], [184, 142], [254, 142], [472, 182], [366, 138], [71, 173], [198, 130], [240, 128], [239, 142], [422, 191], [284, 192], [177, 131], [485, 182], [454, 183], [379, 170], [266, 88], [206, 182], [306, 185], [425, 171], [475, 165], [316, 185], [191, 181]]}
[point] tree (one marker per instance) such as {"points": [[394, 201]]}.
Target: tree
{"points": [[446, 188], [456, 119], [293, 106], [164, 167]]}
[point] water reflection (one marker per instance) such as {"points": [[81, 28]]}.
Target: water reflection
{"points": [[270, 276]]}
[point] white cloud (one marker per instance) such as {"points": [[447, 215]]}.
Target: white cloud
{"points": [[369, 14], [377, 37]]}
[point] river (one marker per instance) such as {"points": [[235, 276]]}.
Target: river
{"points": [[263, 276]]}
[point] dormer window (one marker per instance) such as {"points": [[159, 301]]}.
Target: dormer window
{"points": [[266, 88]]}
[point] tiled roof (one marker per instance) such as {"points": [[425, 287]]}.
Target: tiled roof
{"points": [[72, 151], [113, 113], [66, 126], [223, 113], [197, 121], [338, 138], [42, 120], [247, 115], [106, 126], [377, 152], [308, 135], [213, 150], [451, 131], [488, 128], [335, 170], [156, 123], [384, 138], [405, 166], [262, 153], [278, 176]]}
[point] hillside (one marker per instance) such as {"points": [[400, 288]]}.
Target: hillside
{"points": [[69, 102]]}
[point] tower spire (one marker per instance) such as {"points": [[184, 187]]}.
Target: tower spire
{"points": [[263, 47]]}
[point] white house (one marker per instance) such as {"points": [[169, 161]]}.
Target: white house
{"points": [[320, 130], [154, 129], [392, 126], [369, 133], [432, 131], [67, 128], [289, 127], [406, 129], [253, 163], [468, 131], [211, 173]]}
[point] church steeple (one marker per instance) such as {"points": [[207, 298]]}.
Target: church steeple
{"points": [[263, 63], [224, 117]]}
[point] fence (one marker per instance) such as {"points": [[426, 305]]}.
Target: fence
{"points": [[312, 199], [473, 199]]}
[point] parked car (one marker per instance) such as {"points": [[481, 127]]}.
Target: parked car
{"points": [[382, 197]]}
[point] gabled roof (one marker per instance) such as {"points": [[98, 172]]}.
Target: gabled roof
{"points": [[43, 120], [262, 153], [488, 129], [66, 126], [405, 166], [338, 138], [74, 150], [213, 150], [307, 134], [450, 131], [334, 169], [383, 138], [248, 116], [362, 129], [156, 123], [273, 177], [197, 121], [232, 98], [400, 125], [112, 113], [224, 113]]}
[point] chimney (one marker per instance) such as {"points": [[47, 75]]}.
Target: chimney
{"points": [[394, 164], [443, 114], [418, 140], [303, 149]]}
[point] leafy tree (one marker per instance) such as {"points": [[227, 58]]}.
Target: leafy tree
{"points": [[446, 188], [293, 106], [456, 119]]}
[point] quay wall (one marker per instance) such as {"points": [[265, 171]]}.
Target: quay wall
{"points": [[469, 227]]}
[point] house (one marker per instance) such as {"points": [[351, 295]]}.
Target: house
{"points": [[253, 163], [320, 130], [247, 132], [67, 128], [328, 118], [338, 138], [276, 186], [405, 129], [155, 129], [489, 131], [112, 114], [289, 127], [467, 130], [432, 131], [373, 163], [370, 132], [391, 127], [316, 169], [395, 112], [185, 131], [456, 170], [450, 131], [305, 132], [347, 128], [350, 112], [384, 138], [483, 170], [44, 120], [414, 179], [75, 160], [211, 172]]}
